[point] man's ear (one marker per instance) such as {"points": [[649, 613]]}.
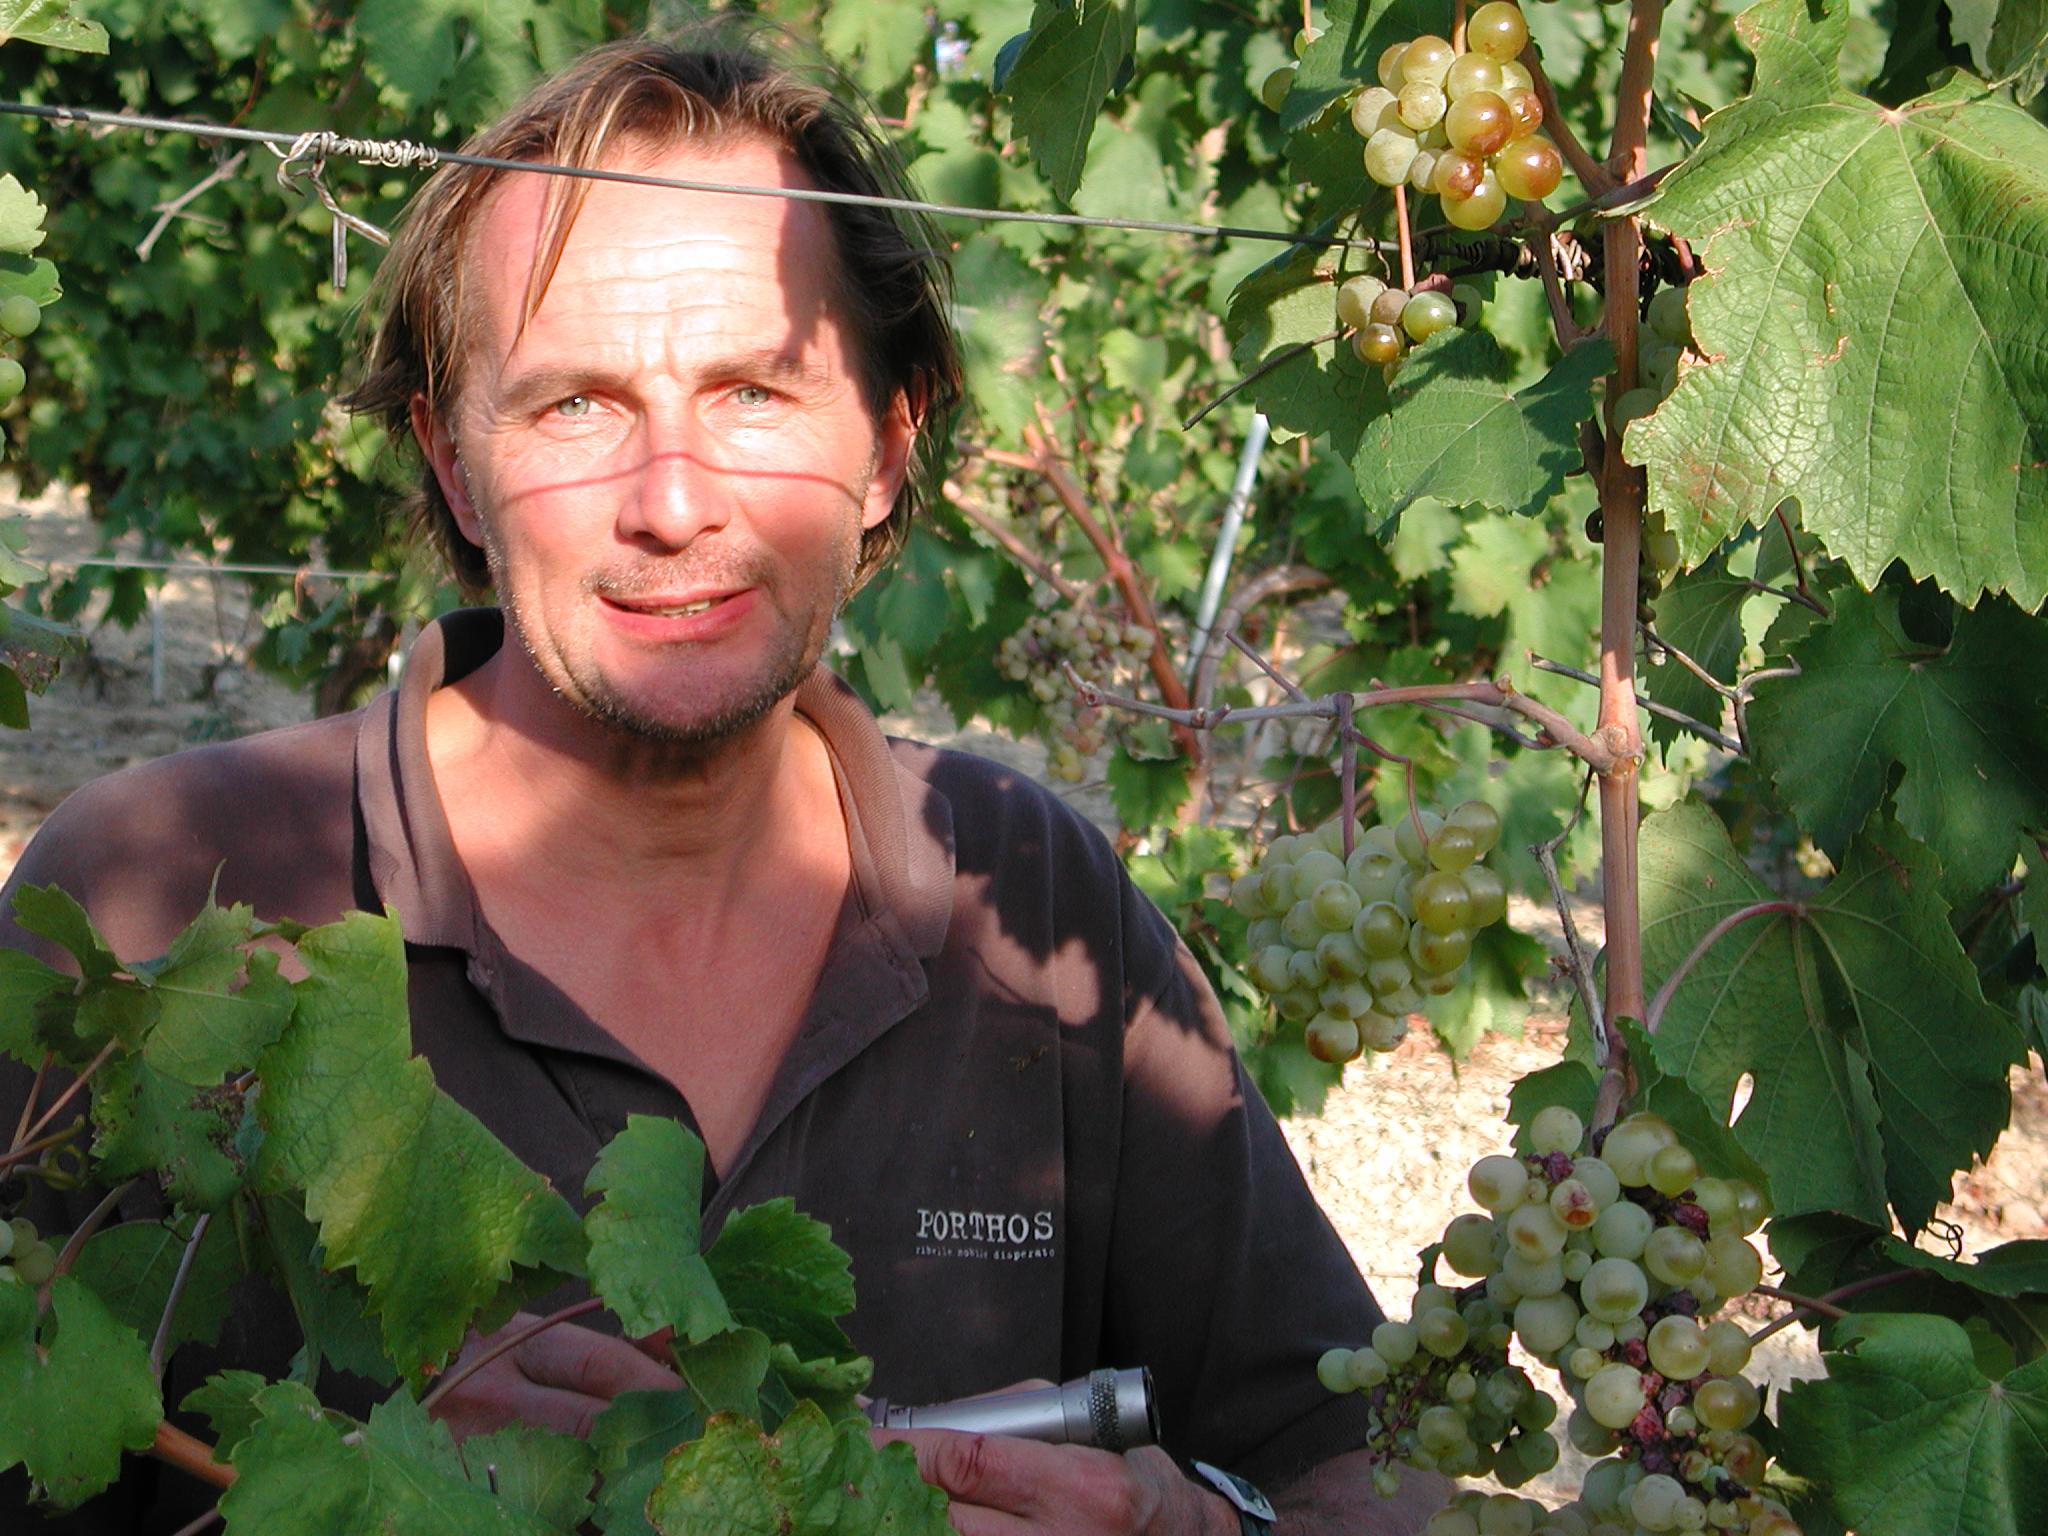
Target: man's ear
{"points": [[437, 443], [894, 436]]}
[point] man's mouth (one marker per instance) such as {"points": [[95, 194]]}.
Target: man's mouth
{"points": [[664, 607]]}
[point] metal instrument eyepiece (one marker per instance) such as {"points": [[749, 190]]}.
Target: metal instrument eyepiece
{"points": [[1110, 1409]]}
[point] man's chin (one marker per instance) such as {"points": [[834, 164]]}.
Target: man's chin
{"points": [[696, 726]]}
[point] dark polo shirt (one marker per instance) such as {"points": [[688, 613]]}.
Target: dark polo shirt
{"points": [[1012, 1095]]}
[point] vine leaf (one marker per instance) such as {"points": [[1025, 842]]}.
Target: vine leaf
{"points": [[1700, 613], [1878, 1068], [644, 1233], [408, 1188], [53, 23], [1913, 1437], [1459, 431], [21, 218], [217, 1007], [130, 1267], [1872, 279], [1281, 318], [2006, 1286], [145, 1123], [780, 1272], [813, 1477], [630, 1439], [75, 1391], [1967, 724], [1062, 78], [299, 1476], [2007, 38]]}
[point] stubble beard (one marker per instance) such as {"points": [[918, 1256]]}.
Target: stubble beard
{"points": [[685, 739]]}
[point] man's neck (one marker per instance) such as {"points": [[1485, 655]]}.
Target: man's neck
{"points": [[582, 806]]}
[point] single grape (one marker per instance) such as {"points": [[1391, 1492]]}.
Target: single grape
{"points": [[1479, 211], [1525, 107], [1468, 1245], [1390, 152], [1335, 904], [1312, 868], [1443, 902], [1576, 1262], [1751, 1207], [1422, 105], [1304, 970], [1457, 174], [1269, 968], [1274, 88], [1657, 365], [1427, 61], [1544, 1324], [1572, 1203], [1354, 300], [35, 1263], [1614, 1290], [1672, 1170], [1538, 1277], [1529, 168], [1381, 930], [1454, 847], [1443, 1332], [1634, 404], [1733, 1267], [1332, 1038], [1346, 999], [1422, 169], [20, 315], [1386, 310], [1413, 847], [1515, 76], [1365, 1369], [1340, 956], [1594, 1334], [1389, 71], [1727, 1402], [1464, 295], [1587, 1435], [1498, 1182], [1479, 122], [1674, 1255], [1614, 1395], [1381, 1032], [1630, 1146], [1598, 1178], [1555, 1129], [1451, 1522], [13, 379], [1654, 1501], [1497, 30], [1299, 927], [1377, 343], [1481, 820], [1422, 317], [1676, 1348], [1534, 1232], [1665, 316], [1375, 874], [1728, 1348], [1440, 1427], [1297, 1004], [1433, 954], [1332, 1370], [1373, 109], [1472, 72], [1388, 975], [1304, 38], [1396, 1343]]}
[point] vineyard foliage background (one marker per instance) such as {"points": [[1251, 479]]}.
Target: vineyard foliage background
{"points": [[1853, 463]]}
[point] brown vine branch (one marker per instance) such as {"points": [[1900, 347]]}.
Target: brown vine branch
{"points": [[190, 1454], [1823, 1306], [506, 1345], [70, 1092], [1562, 320], [1272, 582], [160, 1344], [1801, 595], [1707, 941], [1582, 968], [28, 1105], [68, 1254], [970, 508], [1658, 642], [1698, 728], [1044, 461]]}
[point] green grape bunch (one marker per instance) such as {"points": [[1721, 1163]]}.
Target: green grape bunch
{"points": [[25, 1259], [19, 317], [1349, 945], [1100, 649], [1385, 321], [1605, 1259], [1460, 124]]}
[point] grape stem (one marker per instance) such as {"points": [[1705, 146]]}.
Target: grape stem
{"points": [[1348, 769], [1698, 728], [1272, 582], [28, 1105], [160, 1344], [506, 1345], [95, 1219], [106, 1055], [1707, 941], [1802, 595], [970, 507], [1279, 359], [1556, 731], [1582, 968], [1823, 1306], [1043, 461], [1407, 245]]}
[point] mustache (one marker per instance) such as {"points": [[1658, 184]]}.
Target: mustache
{"points": [[681, 573]]}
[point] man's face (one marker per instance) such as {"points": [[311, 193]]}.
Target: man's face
{"points": [[671, 467]]}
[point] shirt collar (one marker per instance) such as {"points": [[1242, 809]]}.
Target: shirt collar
{"points": [[900, 829]]}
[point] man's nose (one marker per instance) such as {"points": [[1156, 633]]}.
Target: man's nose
{"points": [[678, 494]]}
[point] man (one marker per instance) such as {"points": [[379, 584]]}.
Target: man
{"points": [[650, 859]]}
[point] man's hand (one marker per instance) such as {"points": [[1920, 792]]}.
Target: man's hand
{"points": [[1007, 1487], [561, 1379]]}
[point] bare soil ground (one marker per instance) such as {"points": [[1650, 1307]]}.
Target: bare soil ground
{"points": [[1388, 1157]]}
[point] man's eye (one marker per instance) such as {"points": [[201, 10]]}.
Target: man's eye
{"points": [[751, 394], [575, 405]]}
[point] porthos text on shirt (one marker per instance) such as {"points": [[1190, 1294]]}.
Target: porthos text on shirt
{"points": [[998, 1235]]}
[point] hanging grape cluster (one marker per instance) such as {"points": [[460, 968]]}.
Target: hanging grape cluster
{"points": [[19, 317], [1460, 125], [1386, 321], [25, 1259], [1607, 1267], [1351, 944], [1101, 650]]}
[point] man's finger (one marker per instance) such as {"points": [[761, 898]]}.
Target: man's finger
{"points": [[509, 1400], [997, 1472], [594, 1364]]}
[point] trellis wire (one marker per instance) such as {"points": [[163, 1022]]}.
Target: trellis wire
{"points": [[403, 153]]}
